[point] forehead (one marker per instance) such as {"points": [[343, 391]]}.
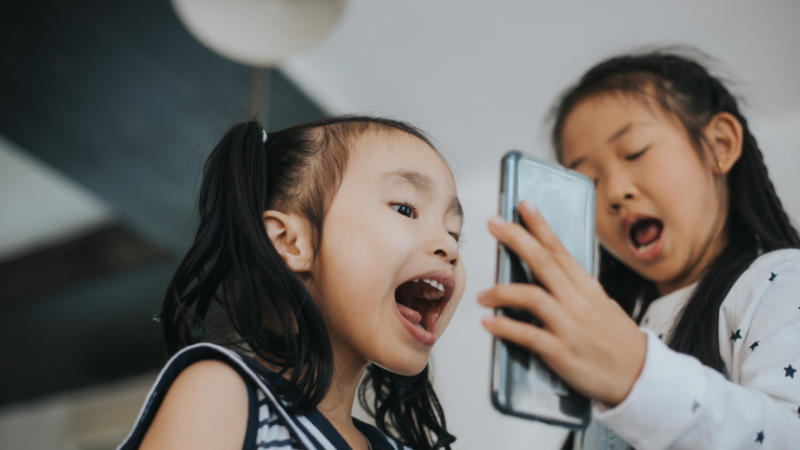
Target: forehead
{"points": [[596, 121], [377, 153]]}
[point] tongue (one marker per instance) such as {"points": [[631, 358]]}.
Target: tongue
{"points": [[410, 314], [646, 232]]}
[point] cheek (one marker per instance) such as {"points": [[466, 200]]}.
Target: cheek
{"points": [[683, 189], [461, 282]]}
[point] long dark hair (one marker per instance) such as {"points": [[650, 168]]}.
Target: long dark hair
{"points": [[234, 288], [756, 221]]}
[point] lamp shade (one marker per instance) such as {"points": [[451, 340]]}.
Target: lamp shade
{"points": [[259, 33]]}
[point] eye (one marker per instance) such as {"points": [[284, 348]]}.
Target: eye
{"points": [[637, 154], [457, 237], [405, 209]]}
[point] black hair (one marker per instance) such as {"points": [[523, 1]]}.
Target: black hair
{"points": [[234, 288], [756, 221]]}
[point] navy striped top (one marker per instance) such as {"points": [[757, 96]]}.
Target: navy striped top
{"points": [[270, 425]]}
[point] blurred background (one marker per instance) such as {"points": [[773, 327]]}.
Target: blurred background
{"points": [[108, 109]]}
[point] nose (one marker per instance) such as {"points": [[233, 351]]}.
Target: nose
{"points": [[444, 246], [618, 190]]}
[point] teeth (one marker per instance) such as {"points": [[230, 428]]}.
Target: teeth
{"points": [[420, 325], [435, 284], [647, 247]]}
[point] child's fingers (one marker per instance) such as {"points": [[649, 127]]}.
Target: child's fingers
{"points": [[541, 230], [538, 259], [529, 297], [529, 336]]}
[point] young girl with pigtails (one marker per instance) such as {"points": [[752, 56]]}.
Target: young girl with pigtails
{"points": [[691, 337], [323, 251]]}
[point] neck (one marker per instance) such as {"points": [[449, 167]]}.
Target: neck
{"points": [[697, 270], [337, 406]]}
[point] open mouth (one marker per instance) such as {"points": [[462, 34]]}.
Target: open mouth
{"points": [[644, 234], [420, 301]]}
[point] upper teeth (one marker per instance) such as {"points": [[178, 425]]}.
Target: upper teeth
{"points": [[433, 283]]}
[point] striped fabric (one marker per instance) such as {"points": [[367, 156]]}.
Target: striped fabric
{"points": [[270, 425]]}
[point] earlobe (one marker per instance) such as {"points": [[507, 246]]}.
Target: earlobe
{"points": [[291, 236], [724, 137]]}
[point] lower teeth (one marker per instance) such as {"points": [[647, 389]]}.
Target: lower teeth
{"points": [[420, 325]]}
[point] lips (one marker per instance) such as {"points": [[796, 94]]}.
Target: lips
{"points": [[645, 236], [421, 300]]}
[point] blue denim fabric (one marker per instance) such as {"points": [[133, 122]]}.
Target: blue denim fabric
{"points": [[597, 436]]}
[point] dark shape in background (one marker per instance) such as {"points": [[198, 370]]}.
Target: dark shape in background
{"points": [[119, 97]]}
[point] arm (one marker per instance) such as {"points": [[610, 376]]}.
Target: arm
{"points": [[652, 396], [205, 408], [679, 403]]}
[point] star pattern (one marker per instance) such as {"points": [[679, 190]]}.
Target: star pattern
{"points": [[772, 276], [755, 344], [696, 406], [736, 335], [760, 437], [789, 371]]}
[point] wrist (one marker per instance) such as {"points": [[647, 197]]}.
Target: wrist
{"points": [[632, 369]]}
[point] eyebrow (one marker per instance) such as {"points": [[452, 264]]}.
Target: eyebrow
{"points": [[421, 182], [417, 180], [621, 132]]}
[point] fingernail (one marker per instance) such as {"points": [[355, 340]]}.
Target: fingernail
{"points": [[487, 320], [528, 206], [496, 221]]}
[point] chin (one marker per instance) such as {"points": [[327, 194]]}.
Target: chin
{"points": [[407, 363]]}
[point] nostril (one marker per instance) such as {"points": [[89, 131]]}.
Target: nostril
{"points": [[454, 262]]}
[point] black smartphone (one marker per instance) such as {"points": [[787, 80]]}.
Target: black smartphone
{"points": [[522, 385]]}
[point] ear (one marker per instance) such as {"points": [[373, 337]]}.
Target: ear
{"points": [[291, 236], [724, 138]]}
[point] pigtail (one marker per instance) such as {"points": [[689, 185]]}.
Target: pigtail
{"points": [[233, 264], [405, 408]]}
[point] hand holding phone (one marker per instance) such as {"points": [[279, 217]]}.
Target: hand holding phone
{"points": [[582, 334]]}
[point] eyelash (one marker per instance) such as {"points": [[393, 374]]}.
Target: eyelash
{"points": [[413, 208], [409, 205], [637, 154]]}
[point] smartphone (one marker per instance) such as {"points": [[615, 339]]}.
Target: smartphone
{"points": [[522, 385]]}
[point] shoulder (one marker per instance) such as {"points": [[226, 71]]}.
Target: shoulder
{"points": [[205, 407], [774, 276], [759, 320]]}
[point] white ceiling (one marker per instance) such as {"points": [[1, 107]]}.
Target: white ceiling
{"points": [[39, 205], [480, 75]]}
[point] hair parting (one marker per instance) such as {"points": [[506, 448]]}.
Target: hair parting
{"points": [[756, 221], [233, 288]]}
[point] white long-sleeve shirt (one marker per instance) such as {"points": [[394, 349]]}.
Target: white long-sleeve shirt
{"points": [[677, 402]]}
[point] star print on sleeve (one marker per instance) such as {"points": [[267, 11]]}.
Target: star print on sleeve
{"points": [[789, 371], [772, 276], [735, 336], [760, 437], [696, 406], [755, 344]]}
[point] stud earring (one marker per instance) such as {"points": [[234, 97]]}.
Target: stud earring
{"points": [[720, 164]]}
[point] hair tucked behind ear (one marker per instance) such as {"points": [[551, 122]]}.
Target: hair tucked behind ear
{"points": [[756, 220], [235, 289]]}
